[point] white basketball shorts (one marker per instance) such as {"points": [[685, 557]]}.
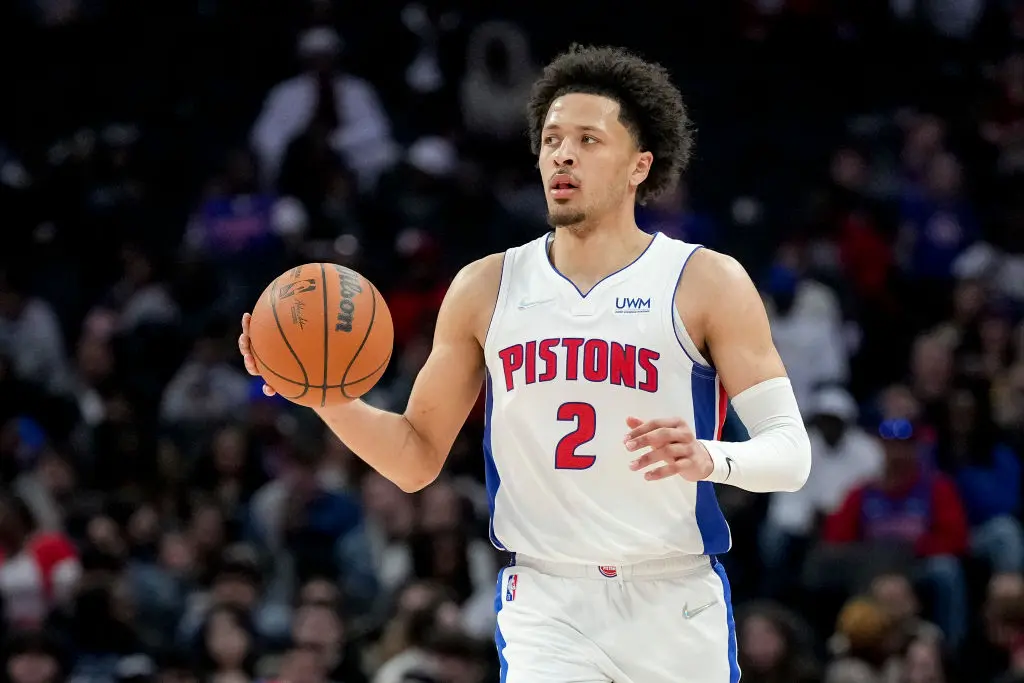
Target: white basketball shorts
{"points": [[665, 621]]}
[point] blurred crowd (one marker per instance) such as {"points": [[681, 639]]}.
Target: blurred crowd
{"points": [[162, 520]]}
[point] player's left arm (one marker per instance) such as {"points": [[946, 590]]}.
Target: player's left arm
{"points": [[736, 333]]}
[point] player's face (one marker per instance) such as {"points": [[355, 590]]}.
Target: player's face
{"points": [[589, 162]]}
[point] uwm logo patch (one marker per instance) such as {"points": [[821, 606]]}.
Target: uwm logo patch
{"points": [[632, 304]]}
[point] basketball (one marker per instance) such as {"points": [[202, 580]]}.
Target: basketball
{"points": [[321, 334]]}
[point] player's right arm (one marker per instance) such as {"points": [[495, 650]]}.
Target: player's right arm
{"points": [[410, 448]]}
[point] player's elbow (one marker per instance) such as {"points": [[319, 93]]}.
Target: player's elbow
{"points": [[417, 481], [421, 472], [801, 462]]}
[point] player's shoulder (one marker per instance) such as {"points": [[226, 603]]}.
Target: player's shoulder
{"points": [[710, 268], [473, 293], [484, 273]]}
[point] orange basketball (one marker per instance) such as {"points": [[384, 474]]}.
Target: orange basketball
{"points": [[321, 334]]}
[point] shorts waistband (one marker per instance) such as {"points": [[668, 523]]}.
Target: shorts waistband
{"points": [[651, 569]]}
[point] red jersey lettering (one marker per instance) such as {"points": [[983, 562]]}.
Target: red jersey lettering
{"points": [[572, 358]]}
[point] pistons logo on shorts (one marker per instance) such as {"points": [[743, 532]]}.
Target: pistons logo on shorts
{"points": [[510, 588], [608, 571]]}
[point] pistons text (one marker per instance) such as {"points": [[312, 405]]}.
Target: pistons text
{"points": [[573, 359]]}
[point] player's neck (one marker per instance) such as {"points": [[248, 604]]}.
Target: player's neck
{"points": [[587, 256]]}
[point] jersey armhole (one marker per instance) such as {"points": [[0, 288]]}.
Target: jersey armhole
{"points": [[504, 283], [675, 321]]}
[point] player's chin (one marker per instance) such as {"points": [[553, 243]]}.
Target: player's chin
{"points": [[564, 216]]}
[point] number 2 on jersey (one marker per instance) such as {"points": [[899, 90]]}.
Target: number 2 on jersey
{"points": [[585, 418]]}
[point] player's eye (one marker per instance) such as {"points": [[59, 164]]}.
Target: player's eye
{"points": [[550, 140], [589, 139]]}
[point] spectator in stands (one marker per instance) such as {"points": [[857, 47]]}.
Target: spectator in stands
{"points": [[316, 526], [46, 485], [461, 659], [423, 610], [31, 336], [325, 103], [236, 584], [206, 389], [938, 224], [895, 594], [924, 662], [318, 627], [671, 214], [100, 623], [862, 646], [33, 658], [1004, 623], [444, 551], [914, 507], [987, 474], [932, 370], [774, 647], [844, 457], [390, 519], [227, 645], [499, 74], [1003, 122], [302, 665], [141, 296], [38, 570], [806, 322]]}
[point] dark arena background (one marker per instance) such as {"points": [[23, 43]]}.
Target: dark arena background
{"points": [[162, 520]]}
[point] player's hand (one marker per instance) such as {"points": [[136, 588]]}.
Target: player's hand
{"points": [[243, 348], [672, 442]]}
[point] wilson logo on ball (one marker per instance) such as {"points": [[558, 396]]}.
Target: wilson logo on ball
{"points": [[350, 288], [292, 288]]}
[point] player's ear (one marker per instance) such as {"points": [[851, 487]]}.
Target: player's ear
{"points": [[642, 168]]}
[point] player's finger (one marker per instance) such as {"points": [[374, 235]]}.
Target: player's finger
{"points": [[267, 391], [633, 422], [663, 472], [662, 436], [674, 467], [250, 365], [645, 460], [246, 318], [649, 425], [668, 454]]}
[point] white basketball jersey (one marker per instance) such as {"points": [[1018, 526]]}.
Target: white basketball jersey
{"points": [[564, 371]]}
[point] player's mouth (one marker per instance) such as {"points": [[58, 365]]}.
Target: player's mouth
{"points": [[562, 186]]}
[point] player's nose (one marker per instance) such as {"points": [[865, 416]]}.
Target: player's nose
{"points": [[565, 155]]}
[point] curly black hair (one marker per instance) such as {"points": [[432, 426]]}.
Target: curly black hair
{"points": [[651, 107]]}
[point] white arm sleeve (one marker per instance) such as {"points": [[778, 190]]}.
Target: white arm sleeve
{"points": [[778, 455]]}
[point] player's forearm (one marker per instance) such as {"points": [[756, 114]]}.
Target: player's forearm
{"points": [[778, 455], [386, 441]]}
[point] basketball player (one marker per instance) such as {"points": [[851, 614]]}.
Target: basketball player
{"points": [[608, 358]]}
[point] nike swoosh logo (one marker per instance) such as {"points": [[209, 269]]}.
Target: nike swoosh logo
{"points": [[531, 304], [691, 613], [728, 463]]}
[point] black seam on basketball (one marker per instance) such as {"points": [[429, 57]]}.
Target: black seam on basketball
{"points": [[369, 328], [284, 337], [323, 286], [305, 387], [366, 377], [318, 386]]}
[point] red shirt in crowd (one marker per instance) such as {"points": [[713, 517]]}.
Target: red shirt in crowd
{"points": [[925, 511], [38, 576]]}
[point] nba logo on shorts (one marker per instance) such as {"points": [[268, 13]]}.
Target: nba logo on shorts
{"points": [[609, 572], [510, 588]]}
